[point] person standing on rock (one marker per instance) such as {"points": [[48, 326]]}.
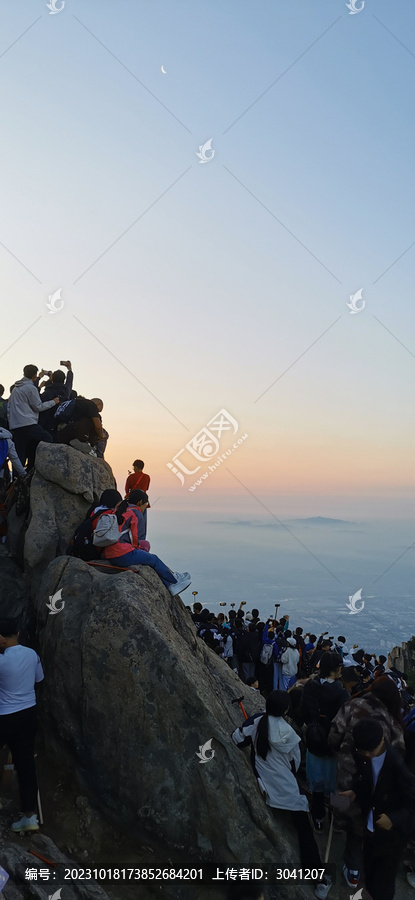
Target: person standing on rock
{"points": [[24, 406], [138, 480], [20, 670]]}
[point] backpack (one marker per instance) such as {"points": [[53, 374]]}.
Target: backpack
{"points": [[266, 655], [278, 650], [64, 412], [4, 451], [21, 493], [317, 731], [81, 545], [107, 531]]}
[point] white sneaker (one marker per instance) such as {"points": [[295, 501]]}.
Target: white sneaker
{"points": [[323, 888], [182, 582], [25, 824]]}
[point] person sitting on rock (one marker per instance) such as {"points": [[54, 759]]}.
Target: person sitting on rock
{"points": [[81, 545], [126, 552], [85, 429], [20, 670], [24, 406]]}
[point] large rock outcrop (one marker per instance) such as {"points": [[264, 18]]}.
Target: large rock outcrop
{"points": [[64, 485], [130, 694]]}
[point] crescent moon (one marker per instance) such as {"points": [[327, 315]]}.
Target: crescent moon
{"points": [[163, 70]]}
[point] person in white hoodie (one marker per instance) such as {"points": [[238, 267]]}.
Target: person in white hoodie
{"points": [[276, 755], [290, 659], [23, 411]]}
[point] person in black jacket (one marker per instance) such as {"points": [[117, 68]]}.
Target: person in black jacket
{"points": [[58, 386], [249, 649], [322, 698], [385, 791]]}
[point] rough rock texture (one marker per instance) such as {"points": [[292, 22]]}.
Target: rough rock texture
{"points": [[64, 485], [129, 695], [14, 588], [15, 859]]}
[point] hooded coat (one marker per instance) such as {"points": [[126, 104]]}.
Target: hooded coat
{"points": [[11, 452], [275, 776], [25, 404]]}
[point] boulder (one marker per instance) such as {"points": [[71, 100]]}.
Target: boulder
{"points": [[129, 697], [65, 483]]}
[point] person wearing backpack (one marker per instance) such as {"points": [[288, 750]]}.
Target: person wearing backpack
{"points": [[265, 661], [321, 700], [24, 407], [118, 531], [275, 756], [279, 647], [250, 646], [85, 425], [81, 545]]}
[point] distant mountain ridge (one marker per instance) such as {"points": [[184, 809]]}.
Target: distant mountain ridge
{"points": [[313, 520]]}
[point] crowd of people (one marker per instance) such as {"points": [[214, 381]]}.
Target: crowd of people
{"points": [[337, 734], [43, 406]]}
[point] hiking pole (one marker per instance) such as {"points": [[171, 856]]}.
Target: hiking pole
{"points": [[329, 840], [238, 700]]}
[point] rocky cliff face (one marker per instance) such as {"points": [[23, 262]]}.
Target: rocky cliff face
{"points": [[130, 693], [403, 659]]}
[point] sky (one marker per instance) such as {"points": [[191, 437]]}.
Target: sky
{"points": [[192, 287]]}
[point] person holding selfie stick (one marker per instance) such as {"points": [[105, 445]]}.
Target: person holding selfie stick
{"points": [[57, 386]]}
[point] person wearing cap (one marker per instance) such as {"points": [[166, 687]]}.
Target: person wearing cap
{"points": [[385, 792], [20, 670], [289, 661]]}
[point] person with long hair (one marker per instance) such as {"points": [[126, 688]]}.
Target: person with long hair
{"points": [[382, 701], [276, 756]]}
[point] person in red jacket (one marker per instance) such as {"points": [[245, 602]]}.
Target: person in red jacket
{"points": [[138, 480]]}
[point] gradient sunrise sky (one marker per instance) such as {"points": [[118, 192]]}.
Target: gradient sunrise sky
{"points": [[193, 287]]}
